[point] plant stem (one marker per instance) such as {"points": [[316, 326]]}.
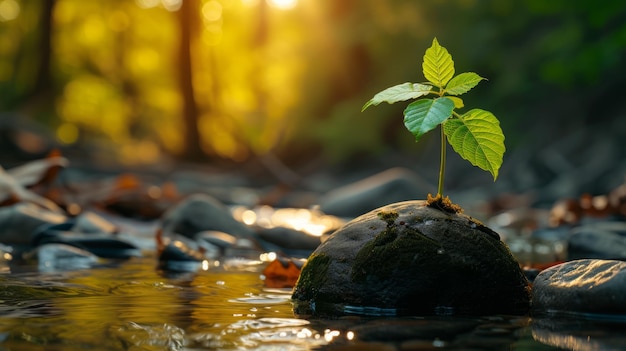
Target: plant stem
{"points": [[442, 162]]}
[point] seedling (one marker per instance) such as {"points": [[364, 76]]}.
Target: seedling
{"points": [[475, 135]]}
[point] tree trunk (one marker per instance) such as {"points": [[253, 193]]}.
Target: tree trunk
{"points": [[187, 22], [37, 93], [42, 80]]}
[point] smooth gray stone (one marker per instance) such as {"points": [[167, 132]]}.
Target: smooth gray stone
{"points": [[583, 286], [200, 212], [390, 186], [604, 240], [19, 222]]}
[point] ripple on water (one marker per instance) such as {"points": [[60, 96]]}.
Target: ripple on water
{"points": [[288, 333], [268, 323], [262, 299], [162, 336]]}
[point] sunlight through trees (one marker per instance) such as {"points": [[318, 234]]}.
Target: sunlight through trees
{"points": [[236, 79]]}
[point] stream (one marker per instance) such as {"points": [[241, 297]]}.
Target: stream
{"points": [[131, 305]]}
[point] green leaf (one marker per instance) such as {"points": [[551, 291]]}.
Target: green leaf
{"points": [[478, 138], [462, 83], [458, 102], [424, 115], [400, 92], [438, 66]]}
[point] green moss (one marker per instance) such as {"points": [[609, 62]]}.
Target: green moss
{"points": [[313, 274], [389, 251], [389, 217]]}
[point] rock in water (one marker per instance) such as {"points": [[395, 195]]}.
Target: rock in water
{"points": [[200, 212], [582, 286], [413, 257]]}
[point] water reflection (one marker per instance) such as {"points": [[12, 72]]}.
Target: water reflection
{"points": [[131, 305], [579, 333], [134, 306]]}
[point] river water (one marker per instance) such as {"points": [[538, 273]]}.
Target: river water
{"points": [[131, 305], [225, 304]]}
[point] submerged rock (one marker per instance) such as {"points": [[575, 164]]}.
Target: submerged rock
{"points": [[582, 286], [56, 257], [412, 258]]}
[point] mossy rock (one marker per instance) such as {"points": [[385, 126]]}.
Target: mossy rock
{"points": [[413, 257]]}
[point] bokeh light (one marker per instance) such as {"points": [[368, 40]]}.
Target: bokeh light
{"points": [[9, 10], [283, 4]]}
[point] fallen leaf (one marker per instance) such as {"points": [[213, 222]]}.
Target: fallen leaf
{"points": [[282, 273]]}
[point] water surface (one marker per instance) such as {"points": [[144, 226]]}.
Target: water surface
{"points": [[134, 306]]}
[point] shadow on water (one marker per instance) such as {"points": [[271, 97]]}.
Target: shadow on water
{"points": [[134, 306]]}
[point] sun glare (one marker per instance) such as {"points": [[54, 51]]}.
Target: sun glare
{"points": [[283, 4]]}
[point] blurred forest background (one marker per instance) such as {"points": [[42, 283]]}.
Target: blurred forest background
{"points": [[213, 81]]}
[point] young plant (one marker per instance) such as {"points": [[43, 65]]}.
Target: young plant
{"points": [[475, 135]]}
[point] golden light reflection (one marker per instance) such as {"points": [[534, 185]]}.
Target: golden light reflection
{"points": [[566, 342], [309, 221], [250, 3], [169, 5], [248, 217], [9, 10], [268, 256], [147, 4], [283, 4], [329, 335], [172, 5], [589, 276], [212, 11]]}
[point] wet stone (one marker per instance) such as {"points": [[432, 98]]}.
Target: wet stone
{"points": [[180, 254], [392, 185], [90, 222], [582, 286], [292, 242], [199, 213], [104, 245], [408, 258], [603, 240], [19, 222], [214, 243]]}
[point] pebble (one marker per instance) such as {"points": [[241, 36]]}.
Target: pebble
{"points": [[18, 222], [604, 240], [389, 186], [582, 286], [201, 212]]}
